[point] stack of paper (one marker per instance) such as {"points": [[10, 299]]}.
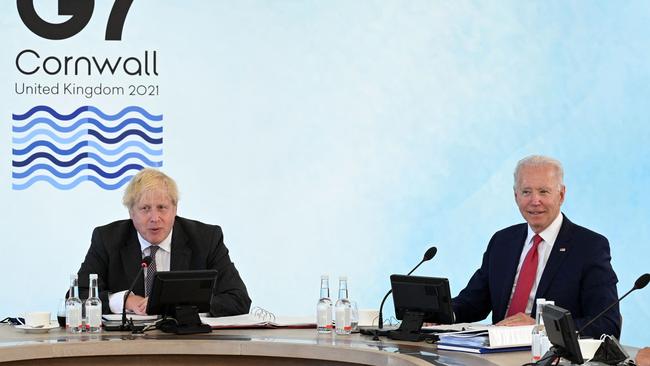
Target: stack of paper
{"points": [[134, 317], [488, 339], [116, 319]]}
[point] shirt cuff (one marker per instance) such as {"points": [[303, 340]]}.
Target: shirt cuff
{"points": [[116, 302]]}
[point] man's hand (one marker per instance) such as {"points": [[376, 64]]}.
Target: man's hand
{"points": [[137, 304], [517, 319], [643, 357]]}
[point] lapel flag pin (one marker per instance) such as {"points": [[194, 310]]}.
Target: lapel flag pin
{"points": [[562, 249]]}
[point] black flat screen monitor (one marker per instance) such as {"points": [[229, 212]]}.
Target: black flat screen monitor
{"points": [[429, 296], [172, 289], [562, 333]]}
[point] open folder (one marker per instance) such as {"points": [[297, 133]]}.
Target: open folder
{"points": [[258, 318], [254, 321]]}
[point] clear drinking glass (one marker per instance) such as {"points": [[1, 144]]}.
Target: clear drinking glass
{"points": [[60, 313], [354, 316]]}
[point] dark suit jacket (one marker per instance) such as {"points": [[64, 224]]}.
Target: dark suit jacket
{"points": [[578, 277], [115, 256]]}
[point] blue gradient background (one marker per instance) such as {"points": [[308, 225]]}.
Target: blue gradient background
{"points": [[345, 138]]}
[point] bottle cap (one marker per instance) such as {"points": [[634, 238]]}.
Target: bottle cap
{"points": [[343, 278], [541, 302], [324, 277], [93, 276], [73, 276]]}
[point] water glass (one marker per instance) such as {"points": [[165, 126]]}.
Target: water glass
{"points": [[354, 316]]}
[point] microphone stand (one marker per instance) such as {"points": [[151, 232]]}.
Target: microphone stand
{"points": [[430, 253], [381, 307], [640, 283], [145, 263]]}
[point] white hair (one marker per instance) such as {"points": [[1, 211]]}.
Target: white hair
{"points": [[539, 160]]}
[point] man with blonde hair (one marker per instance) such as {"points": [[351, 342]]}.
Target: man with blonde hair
{"points": [[174, 243], [547, 257]]}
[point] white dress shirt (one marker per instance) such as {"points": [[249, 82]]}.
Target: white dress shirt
{"points": [[549, 235], [163, 260]]}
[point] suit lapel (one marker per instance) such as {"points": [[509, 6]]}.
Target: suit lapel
{"points": [[131, 258], [510, 262], [558, 254], [181, 252]]}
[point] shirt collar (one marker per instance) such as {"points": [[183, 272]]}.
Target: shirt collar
{"points": [[165, 245], [551, 232]]}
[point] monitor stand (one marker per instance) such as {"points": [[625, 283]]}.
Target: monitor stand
{"points": [[186, 321], [410, 328], [548, 358]]}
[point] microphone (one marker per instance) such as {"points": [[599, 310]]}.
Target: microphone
{"points": [[146, 261], [430, 253], [640, 283]]}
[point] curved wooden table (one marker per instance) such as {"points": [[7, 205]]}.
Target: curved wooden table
{"points": [[268, 347]]}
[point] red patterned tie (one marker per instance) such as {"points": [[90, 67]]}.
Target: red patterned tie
{"points": [[526, 279]]}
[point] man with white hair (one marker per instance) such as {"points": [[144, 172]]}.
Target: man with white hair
{"points": [[547, 257]]}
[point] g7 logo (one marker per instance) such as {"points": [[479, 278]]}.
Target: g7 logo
{"points": [[81, 11]]}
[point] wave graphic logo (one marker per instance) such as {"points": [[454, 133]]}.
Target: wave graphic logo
{"points": [[85, 145]]}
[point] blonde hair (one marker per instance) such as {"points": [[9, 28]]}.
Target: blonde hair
{"points": [[148, 179]]}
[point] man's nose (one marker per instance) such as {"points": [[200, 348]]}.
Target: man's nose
{"points": [[536, 199], [155, 216]]}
